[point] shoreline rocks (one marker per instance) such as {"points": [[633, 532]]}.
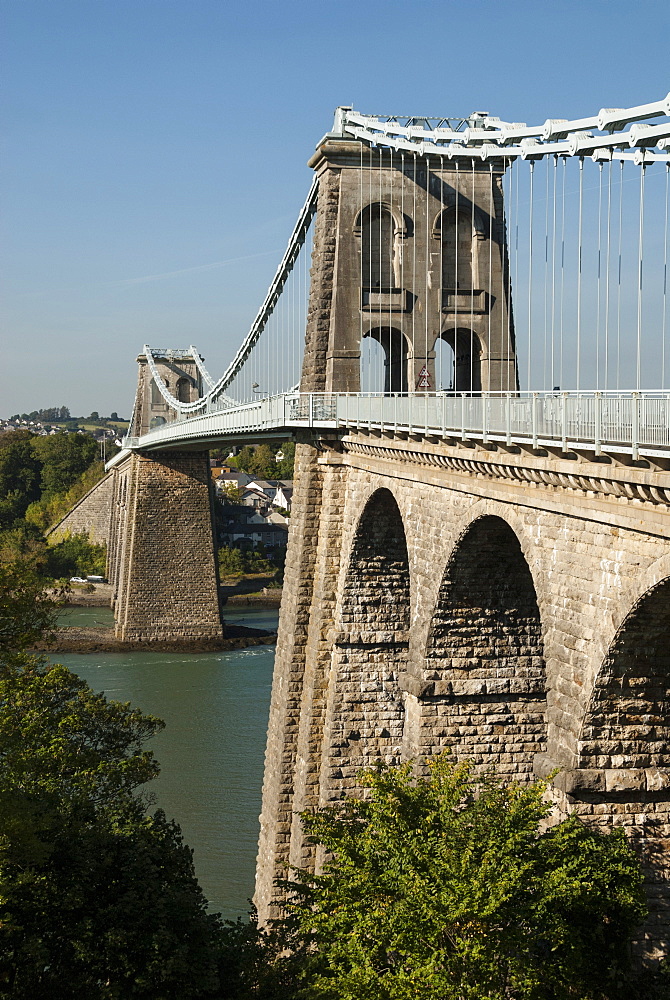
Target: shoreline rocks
{"points": [[102, 640]]}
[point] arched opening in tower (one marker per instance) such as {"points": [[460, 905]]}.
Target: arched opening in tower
{"points": [[444, 366], [183, 388], [485, 655], [378, 248], [156, 395], [465, 357], [456, 250], [384, 370], [365, 707]]}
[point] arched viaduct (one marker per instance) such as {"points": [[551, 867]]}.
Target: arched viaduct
{"points": [[499, 605]]}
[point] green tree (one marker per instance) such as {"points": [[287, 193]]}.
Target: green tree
{"points": [[64, 458], [49, 509], [445, 887], [243, 459], [231, 494], [287, 462], [20, 472], [231, 562], [26, 613], [75, 556], [263, 463], [258, 461], [98, 899]]}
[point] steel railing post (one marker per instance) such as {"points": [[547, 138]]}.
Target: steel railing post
{"points": [[462, 416], [635, 426], [311, 409], [508, 418], [484, 416], [564, 418], [598, 416], [533, 417]]}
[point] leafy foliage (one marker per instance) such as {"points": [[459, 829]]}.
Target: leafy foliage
{"points": [[64, 457], [260, 461], [444, 887], [235, 562], [26, 614], [20, 473], [51, 507], [97, 898], [76, 556]]}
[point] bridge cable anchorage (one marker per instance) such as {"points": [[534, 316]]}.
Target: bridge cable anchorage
{"points": [[488, 135]]}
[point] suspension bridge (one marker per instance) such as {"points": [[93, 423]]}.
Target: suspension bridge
{"points": [[467, 337], [569, 219]]}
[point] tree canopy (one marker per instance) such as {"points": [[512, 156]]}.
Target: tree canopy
{"points": [[41, 478], [260, 461], [448, 887], [98, 897]]}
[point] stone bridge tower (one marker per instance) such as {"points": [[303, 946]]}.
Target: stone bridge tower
{"points": [[181, 378], [161, 549], [409, 251]]}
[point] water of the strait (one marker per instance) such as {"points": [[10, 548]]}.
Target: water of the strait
{"points": [[215, 706]]}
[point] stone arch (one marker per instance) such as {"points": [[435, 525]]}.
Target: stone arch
{"points": [[380, 232], [624, 749], [183, 389], [485, 696], [629, 596], [365, 716], [627, 723], [454, 228], [467, 349], [156, 395], [394, 344]]}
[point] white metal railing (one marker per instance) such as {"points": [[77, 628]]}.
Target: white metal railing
{"points": [[635, 423]]}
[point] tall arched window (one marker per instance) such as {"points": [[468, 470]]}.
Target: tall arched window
{"points": [[156, 397], [457, 269], [378, 244], [183, 390]]}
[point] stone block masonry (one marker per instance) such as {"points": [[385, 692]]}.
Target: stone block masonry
{"points": [[446, 595], [91, 516], [162, 556]]}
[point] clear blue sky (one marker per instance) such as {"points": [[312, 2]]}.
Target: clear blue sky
{"points": [[154, 150]]}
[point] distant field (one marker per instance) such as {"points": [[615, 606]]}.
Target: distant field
{"points": [[88, 425]]}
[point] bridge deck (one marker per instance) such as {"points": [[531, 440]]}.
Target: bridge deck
{"points": [[632, 423]]}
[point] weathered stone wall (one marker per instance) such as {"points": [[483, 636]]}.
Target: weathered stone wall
{"points": [[163, 563], [322, 273], [485, 684], [418, 197], [538, 619], [365, 715], [91, 516]]}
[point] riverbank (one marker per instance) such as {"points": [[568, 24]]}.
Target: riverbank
{"points": [[235, 595], [101, 639], [97, 636]]}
